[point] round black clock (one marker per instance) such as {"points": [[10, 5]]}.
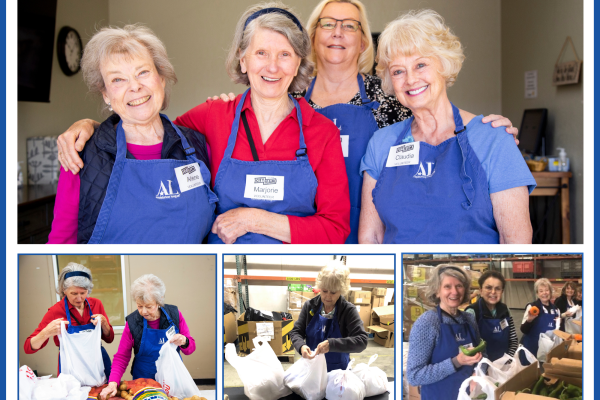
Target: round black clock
{"points": [[69, 49]]}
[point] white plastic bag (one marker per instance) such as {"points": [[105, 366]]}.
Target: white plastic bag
{"points": [[344, 385], [81, 356], [546, 342], [65, 387], [503, 363], [374, 378], [516, 365], [572, 327], [494, 374], [308, 378], [172, 374], [260, 371], [27, 381], [481, 385]]}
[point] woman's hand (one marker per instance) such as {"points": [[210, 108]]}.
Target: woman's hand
{"points": [[322, 348], [73, 141], [464, 359], [370, 228], [103, 323], [53, 328], [499, 120], [531, 317], [225, 97], [178, 339], [109, 391], [234, 223], [306, 353]]}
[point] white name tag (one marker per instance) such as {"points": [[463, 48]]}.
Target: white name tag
{"points": [[189, 177], [503, 324], [345, 139], [468, 345], [403, 154], [263, 187], [170, 333]]}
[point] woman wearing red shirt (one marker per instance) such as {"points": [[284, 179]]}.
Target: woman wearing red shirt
{"points": [[74, 287], [277, 165]]}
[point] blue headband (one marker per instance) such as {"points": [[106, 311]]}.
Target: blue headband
{"points": [[271, 10], [77, 273]]}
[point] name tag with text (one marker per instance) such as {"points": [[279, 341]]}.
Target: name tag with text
{"points": [[264, 187], [345, 139], [403, 154], [189, 177]]}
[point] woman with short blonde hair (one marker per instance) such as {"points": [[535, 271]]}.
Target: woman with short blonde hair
{"points": [[329, 324]]}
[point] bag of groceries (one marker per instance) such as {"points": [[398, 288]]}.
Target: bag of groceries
{"points": [[492, 372], [308, 378], [474, 387], [172, 374], [374, 378], [260, 372], [547, 342], [344, 385], [81, 355]]}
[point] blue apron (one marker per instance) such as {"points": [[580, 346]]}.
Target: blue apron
{"points": [[76, 329], [451, 337], [357, 125], [144, 363], [443, 199], [321, 329], [144, 204], [496, 338], [542, 323], [300, 183]]}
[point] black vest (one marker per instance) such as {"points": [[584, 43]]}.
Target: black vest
{"points": [[99, 156], [136, 324]]}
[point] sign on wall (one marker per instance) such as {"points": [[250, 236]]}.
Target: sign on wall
{"points": [[568, 72]]}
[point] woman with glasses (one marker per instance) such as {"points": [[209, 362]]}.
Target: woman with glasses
{"points": [[493, 317]]}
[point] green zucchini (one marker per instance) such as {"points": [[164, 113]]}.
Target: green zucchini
{"points": [[471, 352]]}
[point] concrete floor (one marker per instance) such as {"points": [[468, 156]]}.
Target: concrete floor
{"points": [[385, 361]]}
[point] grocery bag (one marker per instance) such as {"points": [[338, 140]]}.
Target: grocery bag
{"points": [[572, 327], [172, 374], [308, 378], [27, 381], [493, 373], [481, 385], [546, 342], [344, 385], [81, 355], [374, 378], [516, 366], [65, 387], [260, 372]]}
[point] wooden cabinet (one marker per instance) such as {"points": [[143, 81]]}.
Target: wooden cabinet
{"points": [[35, 213]]}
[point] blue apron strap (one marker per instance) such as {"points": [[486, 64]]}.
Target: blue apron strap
{"points": [[169, 320], [372, 104], [90, 307], [439, 312], [301, 152], [460, 127], [310, 89], [121, 142], [234, 128], [461, 135], [189, 150], [67, 310], [480, 308]]}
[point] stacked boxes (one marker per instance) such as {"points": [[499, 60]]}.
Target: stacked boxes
{"points": [[362, 300], [298, 294], [382, 325]]}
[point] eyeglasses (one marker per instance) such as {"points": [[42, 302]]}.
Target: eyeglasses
{"points": [[348, 25], [492, 288]]}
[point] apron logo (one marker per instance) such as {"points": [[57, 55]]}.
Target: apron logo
{"points": [[550, 324], [161, 341], [266, 181], [163, 193], [335, 123], [459, 337], [497, 329], [324, 328], [422, 173]]}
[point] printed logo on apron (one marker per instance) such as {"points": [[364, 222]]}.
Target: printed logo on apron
{"points": [[161, 341], [163, 193], [459, 337], [497, 330], [425, 171], [189, 177], [403, 154], [261, 187]]}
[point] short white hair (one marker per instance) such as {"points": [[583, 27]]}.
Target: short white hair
{"points": [[334, 277], [77, 281], [147, 289]]}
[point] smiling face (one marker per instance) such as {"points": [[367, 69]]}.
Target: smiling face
{"points": [[491, 291], [450, 293], [338, 46], [544, 294], [569, 291], [329, 298], [417, 83], [271, 64], [76, 296], [148, 310], [133, 87]]}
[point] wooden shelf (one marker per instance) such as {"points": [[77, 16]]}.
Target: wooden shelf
{"points": [[251, 278], [511, 258]]}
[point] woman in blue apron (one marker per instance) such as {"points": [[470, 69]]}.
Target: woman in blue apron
{"points": [[77, 309], [496, 325], [328, 324], [441, 176], [434, 360], [533, 325], [145, 179], [153, 324]]}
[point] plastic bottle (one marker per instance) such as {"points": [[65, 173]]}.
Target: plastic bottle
{"points": [[562, 160]]}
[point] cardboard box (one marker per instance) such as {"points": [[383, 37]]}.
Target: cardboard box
{"points": [[475, 275], [565, 362], [375, 291], [377, 301], [359, 297], [278, 331], [383, 336], [481, 267], [230, 327], [295, 314], [418, 273], [414, 392], [295, 300], [364, 312], [412, 311]]}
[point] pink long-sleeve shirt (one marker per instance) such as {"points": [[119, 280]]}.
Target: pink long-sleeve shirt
{"points": [[123, 355]]}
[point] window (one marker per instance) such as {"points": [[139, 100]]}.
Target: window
{"points": [[108, 277]]}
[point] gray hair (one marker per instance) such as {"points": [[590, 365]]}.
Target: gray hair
{"points": [[275, 22], [149, 288], [129, 41], [447, 270], [77, 281], [334, 277], [542, 282]]}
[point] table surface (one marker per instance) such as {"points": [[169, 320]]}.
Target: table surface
{"points": [[30, 194], [237, 393]]}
